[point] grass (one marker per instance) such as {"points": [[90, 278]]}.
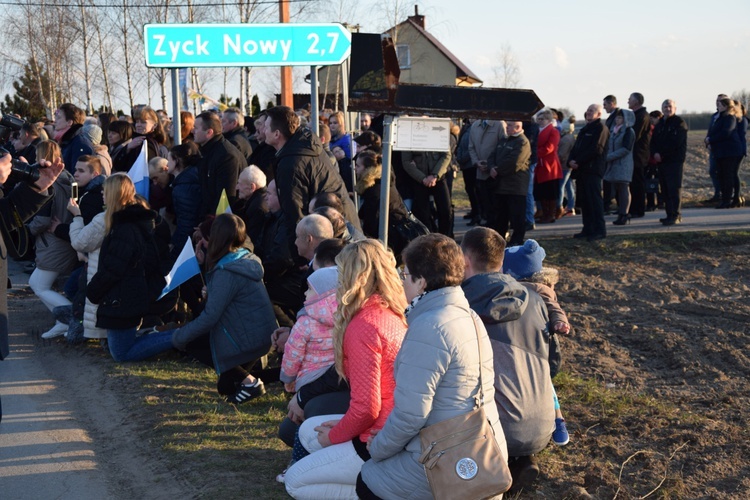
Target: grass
{"points": [[623, 439]]}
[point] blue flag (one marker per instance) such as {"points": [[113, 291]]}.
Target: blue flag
{"points": [[138, 173], [185, 267]]}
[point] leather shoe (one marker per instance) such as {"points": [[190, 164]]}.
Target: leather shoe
{"points": [[671, 221], [595, 237], [524, 471], [580, 235]]}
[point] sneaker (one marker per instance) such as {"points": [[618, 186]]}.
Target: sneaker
{"points": [[56, 331], [560, 437], [247, 392], [281, 478]]}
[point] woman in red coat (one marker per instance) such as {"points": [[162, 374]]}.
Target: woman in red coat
{"points": [[548, 170], [369, 329]]}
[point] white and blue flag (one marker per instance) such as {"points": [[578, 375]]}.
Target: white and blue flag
{"points": [[185, 267], [138, 173]]}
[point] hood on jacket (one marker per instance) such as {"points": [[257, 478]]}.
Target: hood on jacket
{"points": [[496, 297], [322, 308], [136, 214], [242, 263], [629, 117], [302, 143]]}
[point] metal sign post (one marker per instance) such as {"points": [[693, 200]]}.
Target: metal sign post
{"points": [[314, 106], [385, 179], [176, 121]]}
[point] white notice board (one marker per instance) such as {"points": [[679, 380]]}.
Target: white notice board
{"points": [[422, 134]]}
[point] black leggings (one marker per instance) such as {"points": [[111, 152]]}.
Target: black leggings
{"points": [[200, 349]]}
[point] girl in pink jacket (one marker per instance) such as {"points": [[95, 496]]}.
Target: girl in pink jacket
{"points": [[308, 352]]}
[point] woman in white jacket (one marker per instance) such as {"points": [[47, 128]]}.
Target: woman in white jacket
{"points": [[88, 239]]}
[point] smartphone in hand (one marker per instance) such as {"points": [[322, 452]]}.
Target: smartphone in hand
{"points": [[74, 191]]}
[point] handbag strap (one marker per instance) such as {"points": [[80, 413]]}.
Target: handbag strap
{"points": [[481, 361]]}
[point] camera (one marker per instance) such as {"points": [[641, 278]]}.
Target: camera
{"points": [[21, 171], [8, 124]]}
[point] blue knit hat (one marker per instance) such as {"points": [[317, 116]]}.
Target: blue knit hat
{"points": [[524, 260]]}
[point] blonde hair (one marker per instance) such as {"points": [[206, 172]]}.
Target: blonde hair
{"points": [[48, 150], [366, 268], [119, 192]]}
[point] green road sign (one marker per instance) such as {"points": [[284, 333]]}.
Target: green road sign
{"points": [[222, 45]]}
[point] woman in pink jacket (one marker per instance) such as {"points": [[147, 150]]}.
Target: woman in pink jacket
{"points": [[370, 327], [548, 170]]}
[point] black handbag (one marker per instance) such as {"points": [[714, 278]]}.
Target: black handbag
{"points": [[410, 228], [652, 185]]}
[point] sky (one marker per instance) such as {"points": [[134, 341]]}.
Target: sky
{"points": [[573, 53]]}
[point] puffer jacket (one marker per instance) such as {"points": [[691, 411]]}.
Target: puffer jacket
{"points": [[517, 324], [371, 342], [186, 193], [309, 350], [238, 315], [437, 378], [54, 253], [620, 151], [88, 239]]}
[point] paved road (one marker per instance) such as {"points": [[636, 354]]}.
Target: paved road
{"points": [[693, 219], [45, 451]]}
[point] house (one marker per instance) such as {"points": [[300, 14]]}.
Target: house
{"points": [[423, 59]]}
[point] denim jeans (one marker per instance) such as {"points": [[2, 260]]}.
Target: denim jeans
{"points": [[566, 190], [125, 346], [530, 205]]}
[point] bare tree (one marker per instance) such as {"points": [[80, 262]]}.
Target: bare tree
{"points": [[86, 72], [507, 71], [104, 64]]}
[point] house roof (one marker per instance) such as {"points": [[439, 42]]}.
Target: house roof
{"points": [[462, 71]]}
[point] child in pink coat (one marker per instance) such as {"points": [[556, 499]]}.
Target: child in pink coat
{"points": [[308, 352]]}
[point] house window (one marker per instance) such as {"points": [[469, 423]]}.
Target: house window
{"points": [[404, 56]]}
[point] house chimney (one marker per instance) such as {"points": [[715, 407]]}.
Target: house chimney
{"points": [[416, 18]]}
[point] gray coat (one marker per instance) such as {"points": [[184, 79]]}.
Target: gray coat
{"points": [[53, 253], [238, 314], [620, 151], [516, 320], [437, 375]]}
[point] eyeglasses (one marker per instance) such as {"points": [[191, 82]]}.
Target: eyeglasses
{"points": [[403, 274]]}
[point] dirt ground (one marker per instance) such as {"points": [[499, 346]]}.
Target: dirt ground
{"points": [[655, 389]]}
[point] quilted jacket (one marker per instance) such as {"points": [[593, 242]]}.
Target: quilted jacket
{"points": [[437, 378], [309, 350], [371, 342], [88, 239]]}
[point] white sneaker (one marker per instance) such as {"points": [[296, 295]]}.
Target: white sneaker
{"points": [[56, 331]]}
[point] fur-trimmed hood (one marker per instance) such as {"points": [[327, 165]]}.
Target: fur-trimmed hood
{"points": [[368, 179], [547, 276]]}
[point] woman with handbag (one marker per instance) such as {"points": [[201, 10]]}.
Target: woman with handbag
{"points": [[438, 373], [367, 336]]}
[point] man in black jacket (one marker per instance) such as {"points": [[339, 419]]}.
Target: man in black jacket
{"points": [[587, 160], [29, 138], [264, 154], [221, 162], [641, 128], [233, 128], [669, 147], [302, 171]]}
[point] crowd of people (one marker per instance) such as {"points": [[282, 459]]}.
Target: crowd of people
{"points": [[373, 343]]}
